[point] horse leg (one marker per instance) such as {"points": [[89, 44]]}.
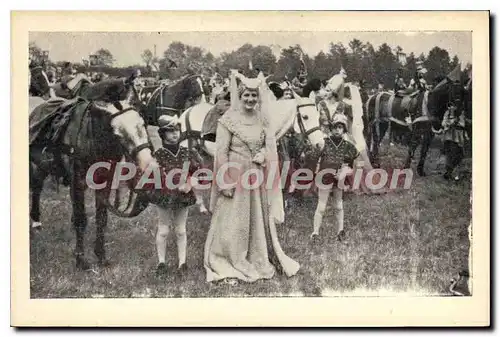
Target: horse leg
{"points": [[369, 141], [101, 220], [378, 132], [384, 126], [426, 143], [374, 147], [412, 146], [37, 179], [79, 219]]}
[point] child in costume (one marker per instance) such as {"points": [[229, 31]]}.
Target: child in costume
{"points": [[338, 154], [174, 201], [454, 139]]}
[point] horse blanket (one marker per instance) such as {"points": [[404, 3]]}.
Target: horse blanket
{"points": [[404, 108], [209, 126], [47, 121]]}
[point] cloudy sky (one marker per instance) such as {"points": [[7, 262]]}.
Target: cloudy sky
{"points": [[127, 47]]}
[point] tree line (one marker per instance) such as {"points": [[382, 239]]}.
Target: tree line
{"points": [[361, 61]]}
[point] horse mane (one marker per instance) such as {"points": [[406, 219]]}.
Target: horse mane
{"points": [[110, 91], [276, 89], [181, 90], [39, 84], [312, 85]]}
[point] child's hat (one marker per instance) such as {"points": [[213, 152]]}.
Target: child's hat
{"points": [[166, 122], [339, 118]]}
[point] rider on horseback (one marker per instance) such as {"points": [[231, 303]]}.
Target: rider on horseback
{"points": [[399, 83], [72, 84], [419, 82]]}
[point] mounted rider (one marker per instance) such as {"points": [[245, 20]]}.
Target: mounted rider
{"points": [[419, 82], [72, 84], [287, 90], [300, 80], [399, 82]]}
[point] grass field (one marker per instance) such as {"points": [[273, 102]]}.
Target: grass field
{"points": [[409, 241]]}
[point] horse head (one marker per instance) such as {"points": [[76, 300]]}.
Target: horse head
{"points": [[300, 115], [439, 99], [39, 82], [182, 94], [118, 101], [336, 84], [307, 121], [314, 85]]}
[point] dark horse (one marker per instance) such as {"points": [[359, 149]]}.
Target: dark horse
{"points": [[39, 82], [172, 99], [81, 133], [311, 85], [420, 114]]}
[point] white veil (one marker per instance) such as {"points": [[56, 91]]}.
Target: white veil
{"points": [[266, 97]]}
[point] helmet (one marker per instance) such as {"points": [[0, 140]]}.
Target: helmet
{"points": [[339, 119], [168, 123]]}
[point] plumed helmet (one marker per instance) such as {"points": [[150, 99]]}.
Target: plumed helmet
{"points": [[339, 119], [168, 123]]}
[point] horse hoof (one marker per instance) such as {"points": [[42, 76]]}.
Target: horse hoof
{"points": [[104, 263], [341, 236], [82, 264], [182, 270], [161, 270]]}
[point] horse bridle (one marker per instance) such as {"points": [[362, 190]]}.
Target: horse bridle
{"points": [[300, 122], [139, 148]]}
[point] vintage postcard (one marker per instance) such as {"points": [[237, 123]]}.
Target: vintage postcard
{"points": [[203, 169]]}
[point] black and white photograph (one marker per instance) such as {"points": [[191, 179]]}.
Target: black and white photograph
{"points": [[251, 164]]}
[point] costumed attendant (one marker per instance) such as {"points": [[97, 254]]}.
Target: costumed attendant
{"points": [[242, 243], [454, 140], [338, 154], [352, 107], [173, 203]]}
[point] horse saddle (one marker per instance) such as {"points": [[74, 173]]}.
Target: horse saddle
{"points": [[405, 108], [407, 92], [61, 91], [209, 126], [48, 121]]}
